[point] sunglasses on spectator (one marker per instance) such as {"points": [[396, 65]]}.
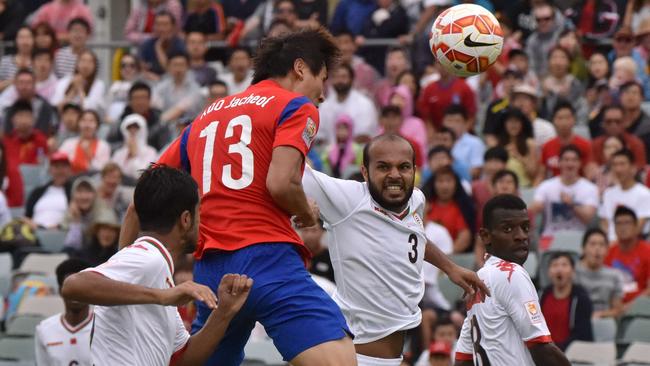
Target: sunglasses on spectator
{"points": [[624, 39], [543, 19]]}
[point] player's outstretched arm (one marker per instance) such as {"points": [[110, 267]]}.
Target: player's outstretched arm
{"points": [[233, 292], [466, 279], [97, 289], [284, 183], [548, 354]]}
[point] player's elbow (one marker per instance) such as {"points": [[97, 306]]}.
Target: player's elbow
{"points": [[74, 287]]}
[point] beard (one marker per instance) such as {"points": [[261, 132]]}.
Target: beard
{"points": [[375, 193], [342, 89]]}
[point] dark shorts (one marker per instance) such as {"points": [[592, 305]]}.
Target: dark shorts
{"points": [[296, 313]]}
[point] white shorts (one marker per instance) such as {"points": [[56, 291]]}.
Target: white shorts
{"points": [[363, 360]]}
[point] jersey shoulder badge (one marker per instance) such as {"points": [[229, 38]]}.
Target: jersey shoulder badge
{"points": [[309, 133]]}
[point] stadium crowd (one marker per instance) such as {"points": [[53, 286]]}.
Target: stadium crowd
{"points": [[561, 119]]}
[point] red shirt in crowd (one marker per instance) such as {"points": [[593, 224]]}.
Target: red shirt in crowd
{"points": [[26, 151], [556, 312], [439, 95], [634, 265], [447, 215], [551, 152], [631, 142]]}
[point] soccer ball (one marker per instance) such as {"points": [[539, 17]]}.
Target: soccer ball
{"points": [[466, 39]]}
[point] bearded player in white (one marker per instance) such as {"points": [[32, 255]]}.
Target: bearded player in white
{"points": [[377, 245], [508, 327]]}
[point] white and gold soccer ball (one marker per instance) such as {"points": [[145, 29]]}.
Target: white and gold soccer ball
{"points": [[466, 39]]}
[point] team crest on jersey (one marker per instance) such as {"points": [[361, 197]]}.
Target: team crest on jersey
{"points": [[533, 312], [309, 132]]}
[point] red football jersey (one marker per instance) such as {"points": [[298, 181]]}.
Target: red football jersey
{"points": [[227, 150]]}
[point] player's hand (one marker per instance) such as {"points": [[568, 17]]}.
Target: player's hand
{"points": [[233, 292], [467, 280], [186, 292]]}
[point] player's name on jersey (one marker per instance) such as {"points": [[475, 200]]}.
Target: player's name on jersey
{"points": [[236, 102]]}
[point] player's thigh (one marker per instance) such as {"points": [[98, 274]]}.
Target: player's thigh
{"points": [[332, 353]]}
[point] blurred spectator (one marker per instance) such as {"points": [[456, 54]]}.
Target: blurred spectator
{"points": [[450, 207], [624, 70], [511, 77], [82, 211], [135, 155], [346, 100], [604, 177], [567, 201], [177, 95], [46, 80], [69, 126], [140, 24], [560, 83], [495, 160], [238, 9], [206, 18], [5, 214], [550, 23], [87, 152], [45, 37], [439, 95], [196, 49], [397, 62], [515, 133], [84, 87], [391, 121], [603, 284], [104, 232], [570, 41], [524, 97], [59, 13], [642, 36], [10, 64], [467, 148], [12, 181], [594, 20], [47, 204], [626, 192], [64, 339], [598, 67], [311, 13], [320, 266], [408, 79], [66, 57], [118, 93], [412, 127], [343, 154], [240, 74], [259, 23], [630, 255], [140, 103], [521, 61], [25, 143], [624, 47], [351, 15], [635, 120], [365, 76], [154, 52], [566, 305], [112, 192], [439, 354], [635, 12], [217, 89], [12, 16], [440, 156], [278, 28], [445, 332], [44, 114], [505, 182], [389, 20], [564, 120], [613, 125]]}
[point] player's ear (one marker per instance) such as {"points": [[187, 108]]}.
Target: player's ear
{"points": [[364, 172], [485, 235], [186, 220], [299, 67]]}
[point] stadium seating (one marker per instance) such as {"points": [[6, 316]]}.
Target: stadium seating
{"points": [[45, 306], [17, 348], [604, 329], [640, 308], [262, 351], [24, 325], [449, 290], [6, 264], [42, 263], [33, 176], [51, 240], [17, 212], [531, 265], [638, 353], [465, 260], [637, 331], [527, 195], [543, 267], [602, 353]]}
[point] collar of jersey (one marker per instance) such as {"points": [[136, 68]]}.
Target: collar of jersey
{"points": [[393, 215], [158, 245], [79, 326]]}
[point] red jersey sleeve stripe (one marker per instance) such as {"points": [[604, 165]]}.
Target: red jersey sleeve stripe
{"points": [[291, 108], [460, 356], [537, 340]]}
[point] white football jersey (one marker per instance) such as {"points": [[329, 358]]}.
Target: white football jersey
{"points": [[376, 254], [57, 343], [499, 328], [138, 334]]}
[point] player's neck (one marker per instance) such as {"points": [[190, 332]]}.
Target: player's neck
{"points": [[74, 318], [562, 292], [569, 179], [170, 241]]}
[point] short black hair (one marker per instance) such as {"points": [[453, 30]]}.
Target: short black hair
{"points": [[161, 195], [568, 148], [496, 153], [593, 231], [177, 54], [236, 49], [216, 81], [276, 55], [71, 106], [23, 71], [562, 254], [165, 13], [348, 68], [626, 153], [517, 52], [139, 85], [447, 130], [456, 109], [42, 51], [79, 21], [391, 110], [625, 211], [563, 104], [503, 173], [503, 202], [21, 106], [631, 84], [436, 150], [69, 267], [444, 320], [383, 137], [607, 107]]}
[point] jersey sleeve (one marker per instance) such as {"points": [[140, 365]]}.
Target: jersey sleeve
{"points": [[464, 347], [336, 198], [182, 336], [519, 299], [298, 125], [39, 349], [175, 155], [135, 264]]}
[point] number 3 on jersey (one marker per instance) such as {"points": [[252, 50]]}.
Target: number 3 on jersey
{"points": [[241, 148]]}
